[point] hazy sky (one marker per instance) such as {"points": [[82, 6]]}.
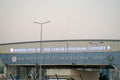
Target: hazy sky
{"points": [[70, 19]]}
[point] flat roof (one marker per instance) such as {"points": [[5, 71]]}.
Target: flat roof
{"points": [[61, 41]]}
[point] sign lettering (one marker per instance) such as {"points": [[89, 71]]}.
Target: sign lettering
{"points": [[61, 49]]}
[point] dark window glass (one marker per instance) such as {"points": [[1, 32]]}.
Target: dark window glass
{"points": [[1, 69]]}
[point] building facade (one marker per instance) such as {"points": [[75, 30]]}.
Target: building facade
{"points": [[60, 59]]}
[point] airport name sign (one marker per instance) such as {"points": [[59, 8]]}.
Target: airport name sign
{"points": [[84, 58], [61, 49]]}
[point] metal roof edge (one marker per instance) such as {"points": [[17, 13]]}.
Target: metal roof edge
{"points": [[61, 41]]}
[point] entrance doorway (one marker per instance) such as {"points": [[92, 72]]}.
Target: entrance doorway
{"points": [[31, 72]]}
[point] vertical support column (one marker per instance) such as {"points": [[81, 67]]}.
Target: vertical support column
{"points": [[40, 72]]}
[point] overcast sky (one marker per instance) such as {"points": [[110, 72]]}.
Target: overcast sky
{"points": [[70, 19]]}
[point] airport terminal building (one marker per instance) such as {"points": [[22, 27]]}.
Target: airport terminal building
{"points": [[61, 60]]}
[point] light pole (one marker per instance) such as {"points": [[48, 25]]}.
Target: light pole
{"points": [[40, 71], [41, 33]]}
